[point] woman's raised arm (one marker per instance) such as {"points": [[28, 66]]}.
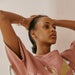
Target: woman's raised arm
{"points": [[66, 23], [9, 36]]}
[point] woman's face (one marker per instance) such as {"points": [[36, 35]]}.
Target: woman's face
{"points": [[43, 30]]}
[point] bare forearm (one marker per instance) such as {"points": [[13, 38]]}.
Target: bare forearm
{"points": [[66, 23], [14, 18]]}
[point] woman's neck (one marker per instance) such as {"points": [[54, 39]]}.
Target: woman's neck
{"points": [[43, 49]]}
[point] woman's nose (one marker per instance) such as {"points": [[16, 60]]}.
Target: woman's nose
{"points": [[53, 30]]}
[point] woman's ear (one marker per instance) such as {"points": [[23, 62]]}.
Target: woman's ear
{"points": [[32, 32]]}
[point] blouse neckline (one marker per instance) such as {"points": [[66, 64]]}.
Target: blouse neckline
{"points": [[48, 54]]}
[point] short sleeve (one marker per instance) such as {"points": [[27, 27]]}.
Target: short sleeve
{"points": [[13, 58], [69, 55]]}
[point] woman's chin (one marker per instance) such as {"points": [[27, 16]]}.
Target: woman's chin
{"points": [[53, 42]]}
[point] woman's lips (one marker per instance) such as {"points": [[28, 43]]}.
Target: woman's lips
{"points": [[53, 36]]}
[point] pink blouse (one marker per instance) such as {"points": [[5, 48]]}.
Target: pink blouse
{"points": [[52, 63]]}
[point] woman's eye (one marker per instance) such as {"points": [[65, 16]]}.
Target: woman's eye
{"points": [[46, 26], [54, 26]]}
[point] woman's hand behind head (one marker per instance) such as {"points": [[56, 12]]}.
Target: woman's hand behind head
{"points": [[28, 20]]}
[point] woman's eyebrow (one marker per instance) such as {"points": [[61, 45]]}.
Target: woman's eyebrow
{"points": [[47, 22]]}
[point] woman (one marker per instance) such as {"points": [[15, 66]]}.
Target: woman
{"points": [[42, 34]]}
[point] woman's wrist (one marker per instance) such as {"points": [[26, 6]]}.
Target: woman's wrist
{"points": [[13, 17], [56, 22], [22, 21], [65, 23]]}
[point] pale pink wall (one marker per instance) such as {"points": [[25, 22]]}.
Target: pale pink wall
{"points": [[65, 10]]}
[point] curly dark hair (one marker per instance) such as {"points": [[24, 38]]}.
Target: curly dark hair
{"points": [[32, 27]]}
